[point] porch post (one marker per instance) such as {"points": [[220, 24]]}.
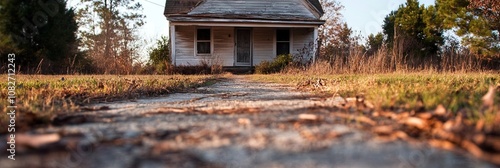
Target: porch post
{"points": [[172, 45], [315, 48]]}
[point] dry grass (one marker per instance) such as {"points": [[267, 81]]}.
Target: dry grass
{"points": [[43, 96], [447, 110], [403, 91]]}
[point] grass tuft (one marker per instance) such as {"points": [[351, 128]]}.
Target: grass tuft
{"points": [[41, 97]]}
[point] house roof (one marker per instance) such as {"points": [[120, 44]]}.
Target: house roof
{"points": [[317, 5], [293, 10], [180, 6]]}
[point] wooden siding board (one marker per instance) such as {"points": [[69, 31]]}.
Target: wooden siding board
{"points": [[303, 38], [223, 41], [224, 45], [263, 45], [184, 41]]}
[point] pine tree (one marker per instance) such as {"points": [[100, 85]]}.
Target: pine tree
{"points": [[417, 27], [41, 33], [476, 21]]}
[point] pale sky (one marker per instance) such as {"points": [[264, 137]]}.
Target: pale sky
{"points": [[367, 16]]}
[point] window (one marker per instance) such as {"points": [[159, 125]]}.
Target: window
{"points": [[203, 41], [282, 42]]}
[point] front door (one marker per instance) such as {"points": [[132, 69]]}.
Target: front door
{"points": [[243, 47]]}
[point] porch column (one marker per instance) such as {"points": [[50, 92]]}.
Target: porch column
{"points": [[315, 48], [172, 45]]}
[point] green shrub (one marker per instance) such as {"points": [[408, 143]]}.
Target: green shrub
{"points": [[278, 64]]}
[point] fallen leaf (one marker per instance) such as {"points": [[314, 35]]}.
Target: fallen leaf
{"points": [[448, 125], [244, 121], [415, 122], [308, 117], [369, 105], [36, 141], [401, 135], [440, 110], [480, 125], [383, 130], [424, 116], [479, 138], [442, 144], [366, 120]]}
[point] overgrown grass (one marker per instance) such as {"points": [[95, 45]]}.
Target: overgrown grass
{"points": [[44, 96], [403, 91]]}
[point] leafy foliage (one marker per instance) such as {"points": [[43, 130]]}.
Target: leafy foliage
{"points": [[476, 21], [417, 27], [374, 43], [278, 64], [159, 55]]}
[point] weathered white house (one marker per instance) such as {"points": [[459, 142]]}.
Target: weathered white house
{"points": [[241, 33]]}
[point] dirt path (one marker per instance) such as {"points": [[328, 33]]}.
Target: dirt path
{"points": [[234, 123]]}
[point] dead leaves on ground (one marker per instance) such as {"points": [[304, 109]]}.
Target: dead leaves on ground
{"points": [[446, 130], [442, 128]]}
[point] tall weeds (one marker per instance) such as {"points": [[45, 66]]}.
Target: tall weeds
{"points": [[396, 59]]}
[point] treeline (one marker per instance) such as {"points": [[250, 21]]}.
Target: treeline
{"points": [[100, 37], [49, 37], [451, 35]]}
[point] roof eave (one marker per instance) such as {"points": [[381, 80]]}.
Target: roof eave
{"points": [[320, 11], [180, 18]]}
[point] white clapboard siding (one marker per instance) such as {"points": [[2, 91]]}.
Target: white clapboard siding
{"points": [[302, 38], [263, 45], [224, 45], [184, 46], [223, 39]]}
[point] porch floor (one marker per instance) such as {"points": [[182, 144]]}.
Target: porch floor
{"points": [[240, 69]]}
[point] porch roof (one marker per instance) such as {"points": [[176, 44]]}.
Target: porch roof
{"points": [[303, 11], [247, 22]]}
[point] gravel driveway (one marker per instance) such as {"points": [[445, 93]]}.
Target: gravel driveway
{"points": [[233, 123]]}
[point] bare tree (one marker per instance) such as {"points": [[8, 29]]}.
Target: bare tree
{"points": [[107, 28]]}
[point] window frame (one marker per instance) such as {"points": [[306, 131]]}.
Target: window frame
{"points": [[196, 41], [290, 40]]}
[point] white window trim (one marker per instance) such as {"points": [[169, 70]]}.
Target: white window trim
{"points": [[196, 41], [290, 31]]}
